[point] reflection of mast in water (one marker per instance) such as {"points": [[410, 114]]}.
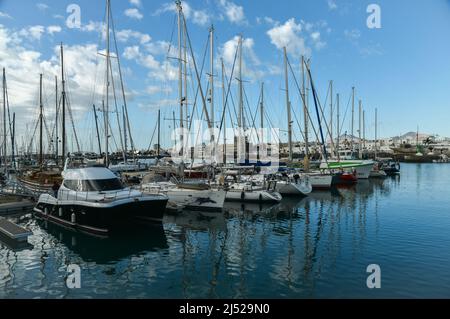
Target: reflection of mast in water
{"points": [[216, 264]]}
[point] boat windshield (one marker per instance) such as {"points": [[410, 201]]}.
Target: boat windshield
{"points": [[99, 185]]}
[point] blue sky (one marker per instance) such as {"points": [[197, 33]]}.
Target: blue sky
{"points": [[402, 68]]}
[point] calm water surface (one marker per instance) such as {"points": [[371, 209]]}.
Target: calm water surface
{"points": [[317, 247]]}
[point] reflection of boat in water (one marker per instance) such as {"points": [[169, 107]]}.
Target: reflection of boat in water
{"points": [[196, 220], [236, 208], [120, 245]]}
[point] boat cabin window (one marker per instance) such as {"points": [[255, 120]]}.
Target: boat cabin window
{"points": [[94, 185]]}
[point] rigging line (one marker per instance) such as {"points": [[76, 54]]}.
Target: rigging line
{"points": [[153, 135], [253, 118], [228, 94], [69, 108], [115, 105], [266, 115], [127, 123], [231, 97], [303, 99], [196, 72], [346, 111], [317, 106], [194, 107]]}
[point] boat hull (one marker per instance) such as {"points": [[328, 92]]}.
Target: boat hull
{"points": [[208, 200], [253, 196], [100, 218], [320, 182], [293, 189]]}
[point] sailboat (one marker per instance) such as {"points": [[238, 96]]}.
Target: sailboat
{"points": [[41, 180]]}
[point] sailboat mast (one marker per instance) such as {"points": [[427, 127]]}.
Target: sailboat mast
{"points": [[56, 120], [359, 130], [13, 141], [288, 105], [224, 115], [262, 114], [63, 97], [180, 73], [4, 119], [124, 121], [305, 108], [376, 132], [331, 118], [211, 83], [106, 114], [353, 117], [338, 125], [159, 133], [241, 121], [41, 107], [96, 128], [364, 129]]}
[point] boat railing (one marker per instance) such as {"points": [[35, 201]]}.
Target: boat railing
{"points": [[107, 197]]}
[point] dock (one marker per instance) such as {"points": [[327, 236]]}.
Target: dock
{"points": [[14, 207], [13, 231]]}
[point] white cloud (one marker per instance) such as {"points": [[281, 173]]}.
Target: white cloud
{"points": [[136, 3], [289, 35], [298, 38], [155, 89], [58, 16], [132, 53], [158, 47], [318, 43], [5, 15], [33, 33], [42, 6], [332, 5], [126, 35], [24, 65], [134, 13], [199, 17], [92, 26], [252, 67], [233, 12], [53, 29]]}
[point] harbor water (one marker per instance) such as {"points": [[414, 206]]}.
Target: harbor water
{"points": [[316, 247]]}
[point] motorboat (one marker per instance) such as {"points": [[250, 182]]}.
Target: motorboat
{"points": [[94, 200]]}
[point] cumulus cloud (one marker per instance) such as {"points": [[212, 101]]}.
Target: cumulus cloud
{"points": [[136, 3], [332, 4], [252, 67], [51, 29], [199, 17], [233, 12], [289, 35], [5, 15], [298, 38], [134, 13], [33, 33], [126, 35]]}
